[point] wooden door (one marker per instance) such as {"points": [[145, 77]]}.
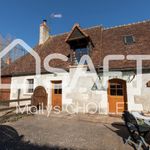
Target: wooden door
{"points": [[117, 96], [57, 94], [39, 97]]}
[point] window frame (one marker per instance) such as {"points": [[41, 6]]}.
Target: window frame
{"points": [[30, 90], [126, 41], [116, 89], [81, 52], [56, 89]]}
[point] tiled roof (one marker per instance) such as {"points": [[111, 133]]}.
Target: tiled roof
{"points": [[106, 42], [55, 44], [113, 43]]}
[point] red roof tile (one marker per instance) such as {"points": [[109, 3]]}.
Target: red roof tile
{"points": [[105, 41], [55, 44]]}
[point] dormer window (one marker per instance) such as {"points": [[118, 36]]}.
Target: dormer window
{"points": [[129, 39], [79, 52], [80, 43]]}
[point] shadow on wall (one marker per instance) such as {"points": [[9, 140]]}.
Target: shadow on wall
{"points": [[11, 140]]}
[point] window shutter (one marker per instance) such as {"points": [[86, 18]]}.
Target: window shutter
{"points": [[133, 38], [125, 39]]}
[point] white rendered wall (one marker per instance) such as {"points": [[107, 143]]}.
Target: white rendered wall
{"points": [[43, 80], [138, 98]]}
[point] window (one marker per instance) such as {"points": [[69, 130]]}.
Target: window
{"points": [[57, 88], [79, 52], [58, 91], [116, 89], [129, 39], [30, 85]]}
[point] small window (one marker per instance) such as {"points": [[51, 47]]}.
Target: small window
{"points": [[58, 89], [116, 89], [80, 52], [30, 85], [129, 39]]}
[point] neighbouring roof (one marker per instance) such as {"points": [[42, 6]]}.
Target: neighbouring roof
{"points": [[105, 41]]}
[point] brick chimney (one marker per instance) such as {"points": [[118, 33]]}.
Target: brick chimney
{"points": [[44, 32]]}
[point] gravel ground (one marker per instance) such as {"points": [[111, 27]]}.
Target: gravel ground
{"points": [[73, 132]]}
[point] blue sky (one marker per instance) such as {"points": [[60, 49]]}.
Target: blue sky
{"points": [[21, 18]]}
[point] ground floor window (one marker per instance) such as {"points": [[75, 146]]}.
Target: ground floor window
{"points": [[57, 88], [30, 87], [116, 89]]}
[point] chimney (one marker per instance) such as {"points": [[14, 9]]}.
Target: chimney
{"points": [[44, 32]]}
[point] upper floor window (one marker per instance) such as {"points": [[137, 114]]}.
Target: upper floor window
{"points": [[30, 87], [80, 44], [79, 52], [129, 39]]}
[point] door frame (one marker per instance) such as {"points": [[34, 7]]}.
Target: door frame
{"points": [[123, 82], [52, 90]]}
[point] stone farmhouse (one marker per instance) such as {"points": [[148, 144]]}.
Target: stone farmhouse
{"points": [[122, 91]]}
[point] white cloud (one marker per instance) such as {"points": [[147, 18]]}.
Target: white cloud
{"points": [[56, 15]]}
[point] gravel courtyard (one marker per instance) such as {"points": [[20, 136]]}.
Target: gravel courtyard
{"points": [[83, 132]]}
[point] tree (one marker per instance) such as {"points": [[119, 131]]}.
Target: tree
{"points": [[14, 54], [1, 48]]}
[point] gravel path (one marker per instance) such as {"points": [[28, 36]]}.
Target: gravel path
{"points": [[72, 132]]}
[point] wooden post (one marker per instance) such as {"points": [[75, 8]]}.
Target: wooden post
{"points": [[19, 91]]}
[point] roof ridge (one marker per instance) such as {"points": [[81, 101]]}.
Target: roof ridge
{"points": [[105, 28], [124, 25], [97, 26], [60, 34]]}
